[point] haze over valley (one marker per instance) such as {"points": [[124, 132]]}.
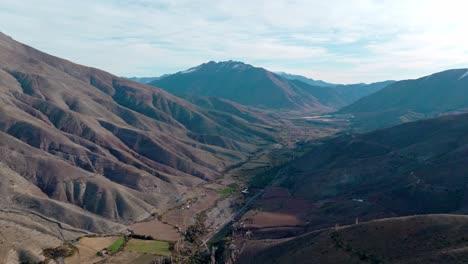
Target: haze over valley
{"points": [[313, 142]]}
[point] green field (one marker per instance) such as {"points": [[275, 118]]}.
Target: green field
{"points": [[154, 247], [116, 245], [226, 191]]}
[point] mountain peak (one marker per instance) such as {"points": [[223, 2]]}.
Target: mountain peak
{"points": [[220, 66], [241, 83], [228, 63]]}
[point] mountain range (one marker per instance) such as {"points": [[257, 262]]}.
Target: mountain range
{"points": [[437, 94], [304, 79], [90, 151], [224, 145], [327, 203], [248, 85]]}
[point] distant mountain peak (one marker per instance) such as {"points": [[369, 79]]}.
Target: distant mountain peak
{"points": [[241, 83], [255, 86], [230, 63], [190, 70], [219, 66], [235, 65]]}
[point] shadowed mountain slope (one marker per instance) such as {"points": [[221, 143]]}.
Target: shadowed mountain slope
{"points": [[409, 100], [347, 93], [415, 168], [248, 85], [416, 239], [304, 79], [253, 86]]}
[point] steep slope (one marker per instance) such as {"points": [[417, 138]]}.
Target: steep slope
{"points": [[244, 84], [353, 92], [418, 168], [416, 239], [94, 150], [224, 105], [347, 93], [304, 79], [415, 168], [409, 100]]}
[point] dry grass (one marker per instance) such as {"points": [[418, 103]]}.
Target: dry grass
{"points": [[88, 248], [156, 229]]}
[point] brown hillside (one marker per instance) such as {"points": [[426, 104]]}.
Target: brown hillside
{"points": [[94, 148]]}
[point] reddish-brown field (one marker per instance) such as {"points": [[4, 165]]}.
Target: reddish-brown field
{"points": [[277, 214], [280, 200], [277, 209], [270, 219]]}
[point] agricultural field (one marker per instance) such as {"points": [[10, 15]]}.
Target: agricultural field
{"points": [[88, 248], [156, 229], [155, 247], [121, 250], [226, 191], [115, 247]]}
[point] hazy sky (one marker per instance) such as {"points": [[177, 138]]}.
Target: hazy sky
{"points": [[342, 41]]}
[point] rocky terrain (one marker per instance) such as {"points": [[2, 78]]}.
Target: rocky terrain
{"points": [[416, 168], [249, 85], [234, 164], [89, 152]]}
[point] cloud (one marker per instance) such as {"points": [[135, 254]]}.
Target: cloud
{"points": [[340, 41]]}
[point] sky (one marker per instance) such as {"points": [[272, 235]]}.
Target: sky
{"points": [[339, 41]]}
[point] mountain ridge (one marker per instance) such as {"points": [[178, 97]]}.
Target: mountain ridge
{"points": [[410, 100], [246, 84], [241, 83], [98, 151]]}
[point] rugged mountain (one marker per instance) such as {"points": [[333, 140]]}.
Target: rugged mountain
{"points": [[347, 93], [415, 239], [417, 168], [304, 79], [414, 168], [247, 85], [340, 95], [89, 151], [353, 92], [226, 106], [433, 95]]}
